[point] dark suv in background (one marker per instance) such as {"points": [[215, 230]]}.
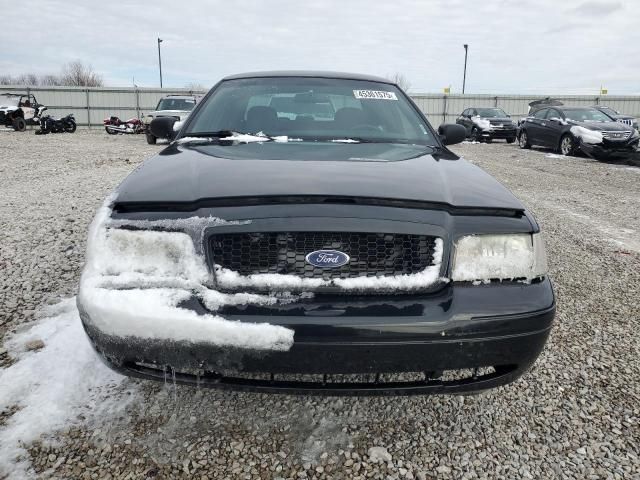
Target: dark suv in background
{"points": [[487, 124], [571, 129], [618, 117]]}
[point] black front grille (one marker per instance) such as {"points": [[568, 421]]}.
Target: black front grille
{"points": [[371, 254]]}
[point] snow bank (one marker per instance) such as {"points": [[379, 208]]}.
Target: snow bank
{"points": [[135, 280], [586, 135], [61, 385], [429, 276], [482, 123]]}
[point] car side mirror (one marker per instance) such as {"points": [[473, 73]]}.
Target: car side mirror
{"points": [[162, 127], [452, 133]]}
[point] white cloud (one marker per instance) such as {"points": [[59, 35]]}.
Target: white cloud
{"points": [[510, 47]]}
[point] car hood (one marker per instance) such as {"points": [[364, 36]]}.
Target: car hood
{"points": [[604, 126], [186, 174]]}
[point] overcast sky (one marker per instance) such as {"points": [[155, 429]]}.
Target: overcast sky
{"points": [[523, 46]]}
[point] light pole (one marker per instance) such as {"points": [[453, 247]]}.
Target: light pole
{"points": [[464, 78], [160, 61]]}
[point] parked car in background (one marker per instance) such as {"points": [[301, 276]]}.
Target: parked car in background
{"points": [[307, 228], [174, 106], [17, 110], [569, 130], [486, 124], [618, 117]]}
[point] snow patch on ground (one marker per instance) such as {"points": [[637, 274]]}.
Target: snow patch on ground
{"points": [[135, 280], [61, 385], [586, 135]]}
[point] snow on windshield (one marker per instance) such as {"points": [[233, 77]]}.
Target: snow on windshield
{"points": [[135, 280]]}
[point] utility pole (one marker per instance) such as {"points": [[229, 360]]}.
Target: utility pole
{"points": [[160, 60], [464, 78]]}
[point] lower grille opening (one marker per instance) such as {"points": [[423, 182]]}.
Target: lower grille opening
{"points": [[421, 382]]}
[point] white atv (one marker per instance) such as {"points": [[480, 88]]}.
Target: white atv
{"points": [[17, 110]]}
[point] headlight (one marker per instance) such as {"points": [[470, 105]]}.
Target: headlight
{"points": [[133, 255], [499, 257]]}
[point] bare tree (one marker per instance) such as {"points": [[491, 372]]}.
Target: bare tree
{"points": [[29, 79], [400, 80], [77, 74], [6, 80], [50, 80]]}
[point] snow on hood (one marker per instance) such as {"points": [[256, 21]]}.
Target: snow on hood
{"points": [[134, 281], [483, 123], [587, 135]]}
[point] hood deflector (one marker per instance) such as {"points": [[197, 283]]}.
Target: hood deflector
{"points": [[130, 207]]}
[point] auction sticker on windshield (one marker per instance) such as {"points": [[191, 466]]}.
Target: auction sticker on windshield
{"points": [[375, 94]]}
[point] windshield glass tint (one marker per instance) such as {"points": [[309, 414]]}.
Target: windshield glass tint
{"points": [[183, 104], [586, 115], [312, 109], [492, 112]]}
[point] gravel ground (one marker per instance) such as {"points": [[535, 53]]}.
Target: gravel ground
{"points": [[575, 415]]}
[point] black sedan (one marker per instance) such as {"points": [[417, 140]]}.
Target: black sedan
{"points": [[310, 232], [487, 124], [569, 130]]}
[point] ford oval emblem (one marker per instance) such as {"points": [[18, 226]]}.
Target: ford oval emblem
{"points": [[327, 258]]}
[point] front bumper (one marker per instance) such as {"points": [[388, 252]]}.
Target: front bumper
{"points": [[501, 133], [609, 150], [460, 339]]}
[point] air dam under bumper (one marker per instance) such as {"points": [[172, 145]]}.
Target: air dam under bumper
{"points": [[461, 339]]}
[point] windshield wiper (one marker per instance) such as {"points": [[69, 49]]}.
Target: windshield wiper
{"points": [[226, 135]]}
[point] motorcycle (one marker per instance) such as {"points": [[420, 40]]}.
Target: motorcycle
{"points": [[51, 125], [114, 126]]}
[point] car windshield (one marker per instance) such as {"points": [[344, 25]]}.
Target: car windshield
{"points": [[586, 115], [184, 104], [9, 100], [609, 111], [312, 109], [492, 112]]}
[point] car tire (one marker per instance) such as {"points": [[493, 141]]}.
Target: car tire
{"points": [[488, 140], [511, 140], [475, 135], [19, 125], [523, 140], [567, 145], [151, 140]]}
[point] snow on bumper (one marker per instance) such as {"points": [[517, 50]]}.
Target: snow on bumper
{"points": [[155, 314], [135, 280]]}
